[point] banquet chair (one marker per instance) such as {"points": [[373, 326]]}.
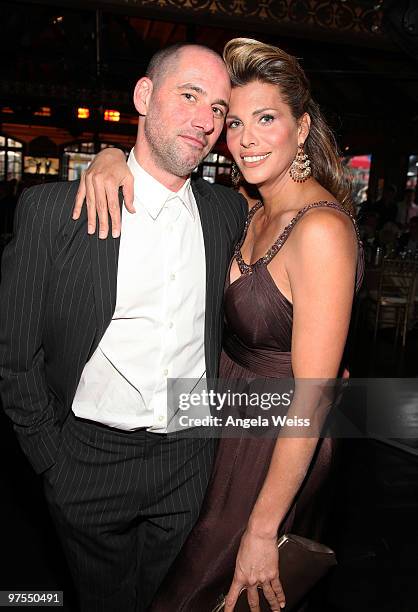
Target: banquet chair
{"points": [[395, 293]]}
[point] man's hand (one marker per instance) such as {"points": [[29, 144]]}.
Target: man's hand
{"points": [[99, 186]]}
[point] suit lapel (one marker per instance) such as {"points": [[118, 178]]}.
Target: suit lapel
{"points": [[104, 266], [210, 227]]}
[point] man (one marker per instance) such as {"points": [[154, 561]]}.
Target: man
{"points": [[407, 208], [386, 206], [408, 242], [85, 352]]}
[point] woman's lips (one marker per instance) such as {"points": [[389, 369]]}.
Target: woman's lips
{"points": [[251, 161]]}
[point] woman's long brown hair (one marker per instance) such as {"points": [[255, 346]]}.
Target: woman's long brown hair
{"points": [[249, 60]]}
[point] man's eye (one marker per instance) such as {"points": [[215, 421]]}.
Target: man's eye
{"points": [[218, 111], [189, 97]]}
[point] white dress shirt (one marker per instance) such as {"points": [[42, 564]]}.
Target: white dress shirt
{"points": [[157, 330]]}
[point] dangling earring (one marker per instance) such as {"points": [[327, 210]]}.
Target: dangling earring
{"points": [[235, 175], [300, 170]]}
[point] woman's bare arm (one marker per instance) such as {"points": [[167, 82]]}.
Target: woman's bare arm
{"points": [[99, 187], [321, 265]]}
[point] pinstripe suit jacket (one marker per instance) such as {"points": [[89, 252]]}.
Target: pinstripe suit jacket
{"points": [[58, 295]]}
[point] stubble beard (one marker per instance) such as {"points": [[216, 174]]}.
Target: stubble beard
{"points": [[169, 154]]}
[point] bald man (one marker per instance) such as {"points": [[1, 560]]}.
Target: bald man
{"points": [[85, 351]]}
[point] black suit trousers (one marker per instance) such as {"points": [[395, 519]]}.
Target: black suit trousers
{"points": [[123, 504]]}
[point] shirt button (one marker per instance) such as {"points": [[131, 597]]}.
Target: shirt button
{"points": [[170, 325], [165, 372], [161, 418], [172, 276]]}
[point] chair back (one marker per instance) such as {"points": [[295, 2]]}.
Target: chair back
{"points": [[397, 280]]}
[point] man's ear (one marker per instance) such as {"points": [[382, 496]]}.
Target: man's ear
{"points": [[142, 95]]}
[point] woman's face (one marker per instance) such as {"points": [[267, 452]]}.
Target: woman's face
{"points": [[262, 133]]}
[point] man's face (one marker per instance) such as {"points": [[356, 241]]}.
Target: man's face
{"points": [[187, 110]]}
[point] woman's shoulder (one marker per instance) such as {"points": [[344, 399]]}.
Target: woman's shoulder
{"points": [[325, 223]]}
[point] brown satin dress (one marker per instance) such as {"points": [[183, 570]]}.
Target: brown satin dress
{"points": [[257, 343]]}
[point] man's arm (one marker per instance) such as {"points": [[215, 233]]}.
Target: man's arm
{"points": [[24, 287]]}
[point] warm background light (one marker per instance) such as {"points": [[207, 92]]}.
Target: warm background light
{"points": [[83, 113], [44, 111], [111, 115]]}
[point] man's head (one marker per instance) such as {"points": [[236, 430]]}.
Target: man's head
{"points": [[182, 104]]}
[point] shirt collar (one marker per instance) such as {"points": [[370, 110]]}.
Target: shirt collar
{"points": [[152, 195]]}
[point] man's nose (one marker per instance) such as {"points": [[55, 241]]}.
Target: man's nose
{"points": [[203, 119]]}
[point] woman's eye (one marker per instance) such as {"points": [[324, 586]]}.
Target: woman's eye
{"points": [[266, 119], [232, 124]]}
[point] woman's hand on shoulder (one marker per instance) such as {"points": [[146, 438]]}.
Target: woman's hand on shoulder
{"points": [[257, 566], [99, 187]]}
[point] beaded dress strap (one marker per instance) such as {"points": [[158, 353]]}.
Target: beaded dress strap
{"points": [[251, 213], [237, 251], [275, 248]]}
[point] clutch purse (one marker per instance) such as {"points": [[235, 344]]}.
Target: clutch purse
{"points": [[302, 563]]}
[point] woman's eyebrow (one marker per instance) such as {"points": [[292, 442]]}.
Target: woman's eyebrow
{"points": [[263, 110]]}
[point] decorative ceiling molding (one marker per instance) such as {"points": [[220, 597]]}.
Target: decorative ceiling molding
{"points": [[336, 17], [337, 14]]}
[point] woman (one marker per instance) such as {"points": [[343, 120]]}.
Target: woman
{"points": [[288, 301]]}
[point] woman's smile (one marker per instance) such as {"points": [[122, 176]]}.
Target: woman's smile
{"points": [[250, 161]]}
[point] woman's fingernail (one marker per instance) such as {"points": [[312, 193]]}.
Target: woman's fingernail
{"points": [[115, 234], [90, 229]]}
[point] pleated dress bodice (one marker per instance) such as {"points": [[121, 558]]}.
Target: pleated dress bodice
{"points": [[258, 317]]}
